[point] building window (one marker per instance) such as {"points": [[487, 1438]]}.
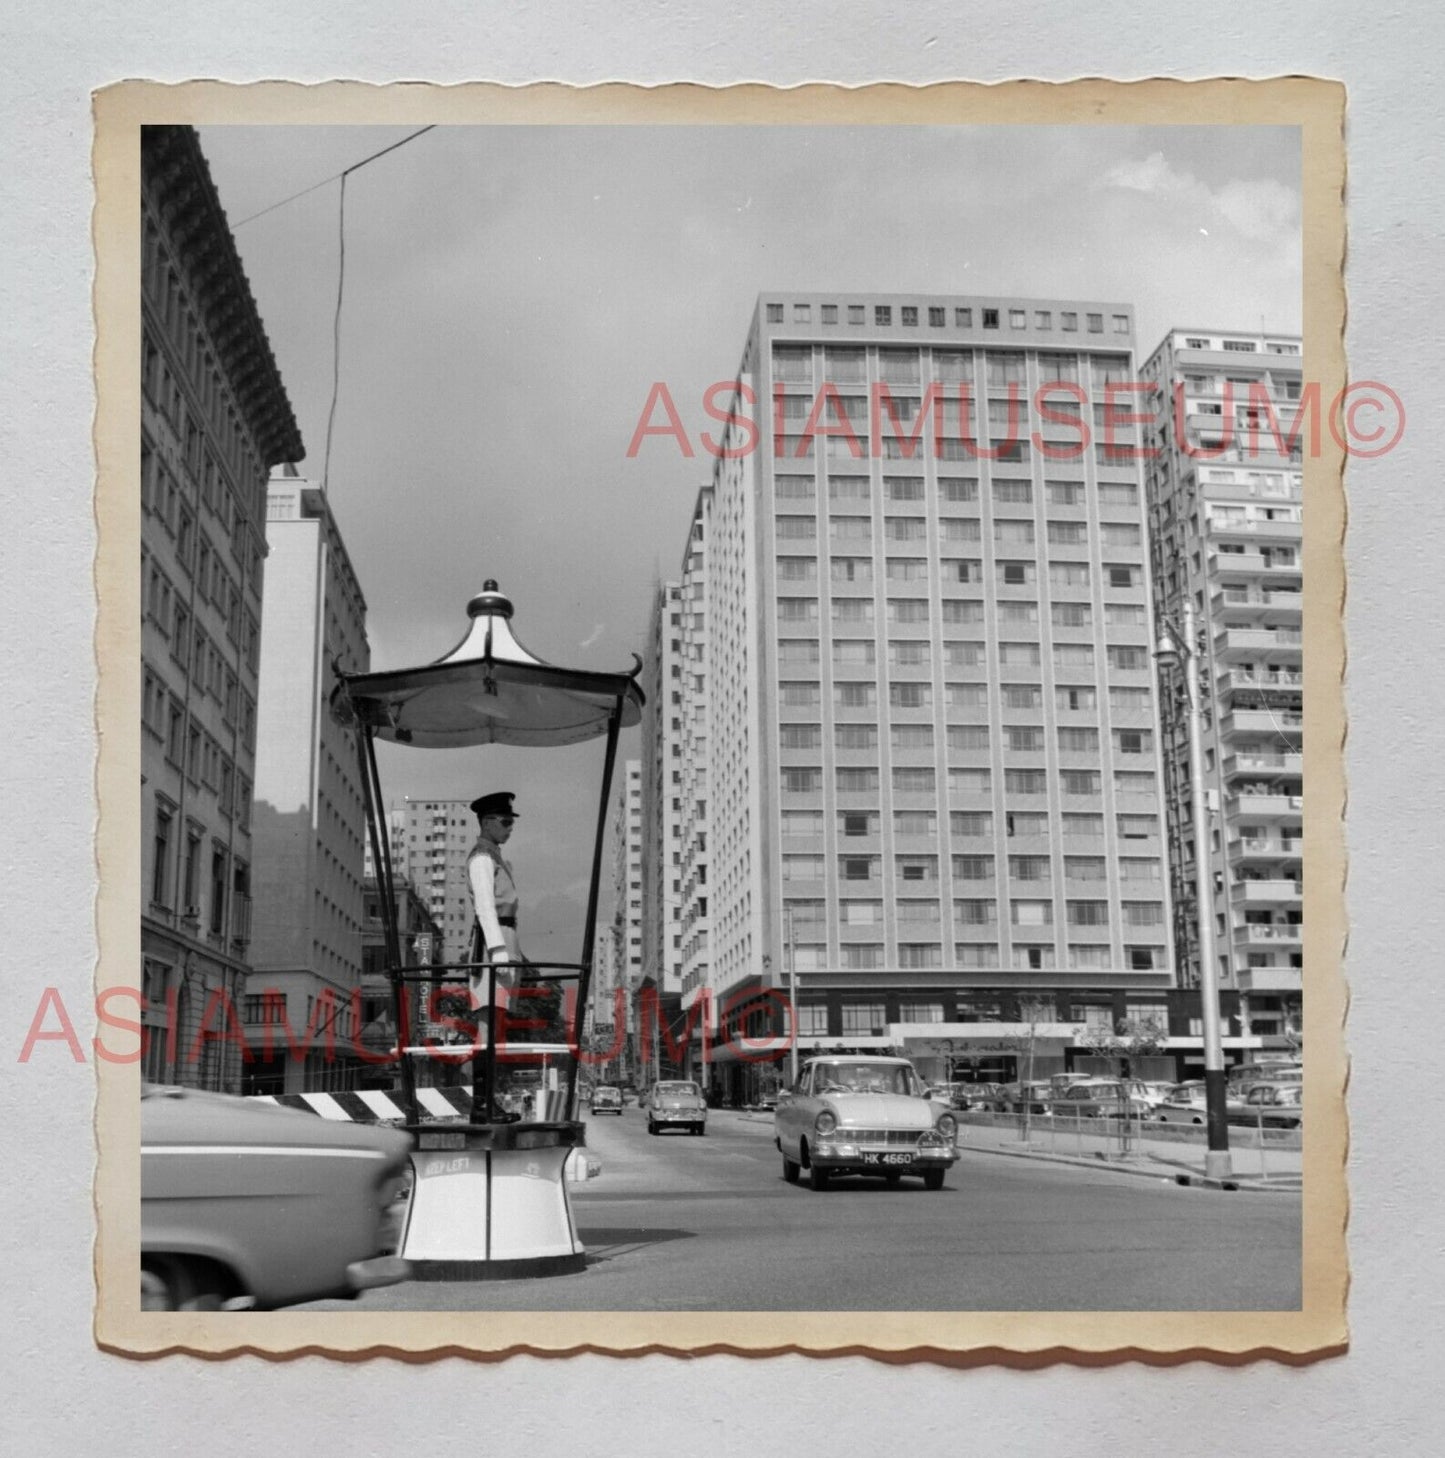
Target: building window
{"points": [[1017, 319], [857, 781], [990, 318], [829, 313], [909, 314], [1043, 319], [858, 822], [161, 851], [963, 318], [882, 314], [1096, 323], [1069, 321], [970, 824], [775, 313], [856, 313], [1121, 323], [859, 868], [802, 313], [869, 1019]]}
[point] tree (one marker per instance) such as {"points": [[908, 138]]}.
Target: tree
{"points": [[1032, 1012], [1121, 1044]]}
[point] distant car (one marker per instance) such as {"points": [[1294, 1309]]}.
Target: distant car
{"points": [[863, 1115], [1104, 1099], [605, 1100], [1153, 1091], [676, 1104], [1035, 1095], [245, 1205], [1184, 1106], [1275, 1105]]}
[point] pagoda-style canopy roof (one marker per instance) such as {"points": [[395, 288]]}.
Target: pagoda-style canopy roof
{"points": [[489, 690]]}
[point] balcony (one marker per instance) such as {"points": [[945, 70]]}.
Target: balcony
{"points": [[1273, 531], [1253, 934], [1254, 641], [1270, 979], [1278, 680], [1251, 562], [1263, 721], [1266, 893], [1267, 805], [1277, 605], [1273, 764], [1264, 849]]}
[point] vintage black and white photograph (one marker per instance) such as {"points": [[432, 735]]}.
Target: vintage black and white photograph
{"points": [[722, 720]]}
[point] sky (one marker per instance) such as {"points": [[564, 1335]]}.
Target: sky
{"points": [[511, 294]]}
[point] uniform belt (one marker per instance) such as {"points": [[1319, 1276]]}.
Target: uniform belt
{"points": [[510, 921]]}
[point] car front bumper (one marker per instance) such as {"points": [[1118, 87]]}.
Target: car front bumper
{"points": [[378, 1271], [844, 1156]]}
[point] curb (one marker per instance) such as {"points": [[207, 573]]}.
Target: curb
{"points": [[1100, 1165], [1163, 1176]]}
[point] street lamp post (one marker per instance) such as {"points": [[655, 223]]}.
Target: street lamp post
{"points": [[1175, 646], [792, 999]]}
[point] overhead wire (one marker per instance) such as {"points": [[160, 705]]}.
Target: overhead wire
{"points": [[340, 271]]}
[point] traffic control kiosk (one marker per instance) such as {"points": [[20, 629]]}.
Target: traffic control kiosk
{"points": [[490, 1195]]}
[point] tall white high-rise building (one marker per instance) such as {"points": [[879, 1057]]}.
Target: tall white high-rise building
{"points": [[1224, 496], [927, 717], [309, 821]]}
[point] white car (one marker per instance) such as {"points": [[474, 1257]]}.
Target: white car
{"points": [[676, 1104], [863, 1115]]}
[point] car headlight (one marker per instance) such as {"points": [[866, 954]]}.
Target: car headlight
{"points": [[825, 1123], [947, 1125]]}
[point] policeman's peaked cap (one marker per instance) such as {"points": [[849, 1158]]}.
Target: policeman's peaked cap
{"points": [[499, 802]]}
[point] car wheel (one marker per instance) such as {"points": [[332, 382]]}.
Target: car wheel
{"points": [[933, 1179], [893, 1180], [817, 1178], [169, 1284], [699, 1130], [792, 1170], [651, 1127]]}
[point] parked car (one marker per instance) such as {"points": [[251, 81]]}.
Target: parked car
{"points": [[606, 1099], [676, 1104], [1035, 1095], [1184, 1106], [863, 1115], [1153, 1090], [245, 1205], [1275, 1105], [1244, 1076], [1102, 1099]]}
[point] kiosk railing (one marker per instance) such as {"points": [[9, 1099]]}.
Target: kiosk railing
{"points": [[535, 1023]]}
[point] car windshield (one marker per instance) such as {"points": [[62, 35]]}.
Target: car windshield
{"points": [[870, 1078]]}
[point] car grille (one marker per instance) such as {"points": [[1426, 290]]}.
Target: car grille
{"points": [[893, 1138]]}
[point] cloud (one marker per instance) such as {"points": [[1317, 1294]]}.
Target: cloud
{"points": [[1151, 174], [1260, 210]]}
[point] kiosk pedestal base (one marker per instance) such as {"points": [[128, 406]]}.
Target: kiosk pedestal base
{"points": [[490, 1203]]}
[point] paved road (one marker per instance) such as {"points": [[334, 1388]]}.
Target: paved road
{"points": [[678, 1223]]}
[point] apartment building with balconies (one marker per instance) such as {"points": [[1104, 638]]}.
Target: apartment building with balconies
{"points": [[1225, 510]]}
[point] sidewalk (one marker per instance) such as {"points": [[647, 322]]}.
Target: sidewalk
{"points": [[1163, 1153], [1160, 1153]]}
